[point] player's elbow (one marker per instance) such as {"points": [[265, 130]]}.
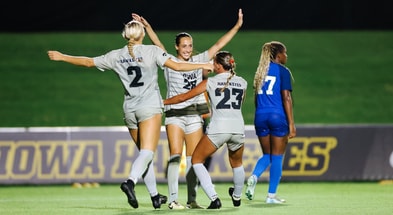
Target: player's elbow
{"points": [[89, 63]]}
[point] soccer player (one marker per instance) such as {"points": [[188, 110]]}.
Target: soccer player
{"points": [[183, 121], [274, 122], [137, 65], [226, 92]]}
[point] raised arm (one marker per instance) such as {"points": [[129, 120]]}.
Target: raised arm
{"points": [[76, 60], [227, 37], [149, 30], [200, 88]]}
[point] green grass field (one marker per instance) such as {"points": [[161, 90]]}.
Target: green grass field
{"points": [[340, 76], [302, 198]]}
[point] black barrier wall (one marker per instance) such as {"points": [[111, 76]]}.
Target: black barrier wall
{"points": [[100, 15], [105, 155]]}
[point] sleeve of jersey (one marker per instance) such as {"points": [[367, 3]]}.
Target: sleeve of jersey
{"points": [[285, 77], [162, 56], [104, 62], [210, 87], [245, 84]]}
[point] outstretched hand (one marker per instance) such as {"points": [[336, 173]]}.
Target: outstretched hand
{"points": [[240, 18], [54, 55]]}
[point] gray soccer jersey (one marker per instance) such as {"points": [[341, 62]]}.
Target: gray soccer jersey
{"points": [[226, 116], [181, 82], [138, 76]]}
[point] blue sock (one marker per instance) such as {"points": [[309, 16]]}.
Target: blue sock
{"points": [[262, 163], [275, 172]]}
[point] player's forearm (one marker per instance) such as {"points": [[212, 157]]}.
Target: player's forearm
{"points": [[288, 108], [154, 37], [225, 38], [184, 67], [78, 60], [174, 100], [199, 89]]}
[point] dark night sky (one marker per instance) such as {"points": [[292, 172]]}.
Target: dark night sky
{"points": [[202, 14]]}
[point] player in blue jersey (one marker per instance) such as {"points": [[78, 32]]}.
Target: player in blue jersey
{"points": [[226, 92], [274, 121], [137, 66], [183, 121]]}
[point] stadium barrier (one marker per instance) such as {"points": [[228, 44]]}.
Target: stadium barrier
{"points": [[57, 155]]}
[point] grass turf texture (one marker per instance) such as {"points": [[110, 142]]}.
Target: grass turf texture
{"points": [[302, 198], [340, 77]]}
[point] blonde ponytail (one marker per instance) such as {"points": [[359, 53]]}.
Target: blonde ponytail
{"points": [[133, 31], [263, 67]]}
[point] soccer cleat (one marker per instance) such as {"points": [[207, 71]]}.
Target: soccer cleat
{"points": [[274, 200], [128, 188], [156, 201], [216, 204], [163, 198], [251, 183], [175, 206], [235, 200], [194, 205]]}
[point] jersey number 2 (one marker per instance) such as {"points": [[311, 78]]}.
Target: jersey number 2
{"points": [[135, 72]]}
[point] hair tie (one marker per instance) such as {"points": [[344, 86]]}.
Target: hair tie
{"points": [[231, 61]]}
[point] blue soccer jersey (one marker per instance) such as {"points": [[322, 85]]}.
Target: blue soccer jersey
{"points": [[268, 99]]}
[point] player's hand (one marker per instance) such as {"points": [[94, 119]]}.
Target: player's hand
{"points": [[292, 131], [209, 67], [136, 17], [140, 19], [240, 18], [54, 55]]}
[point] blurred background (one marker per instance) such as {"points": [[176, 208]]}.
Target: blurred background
{"points": [[100, 15]]}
